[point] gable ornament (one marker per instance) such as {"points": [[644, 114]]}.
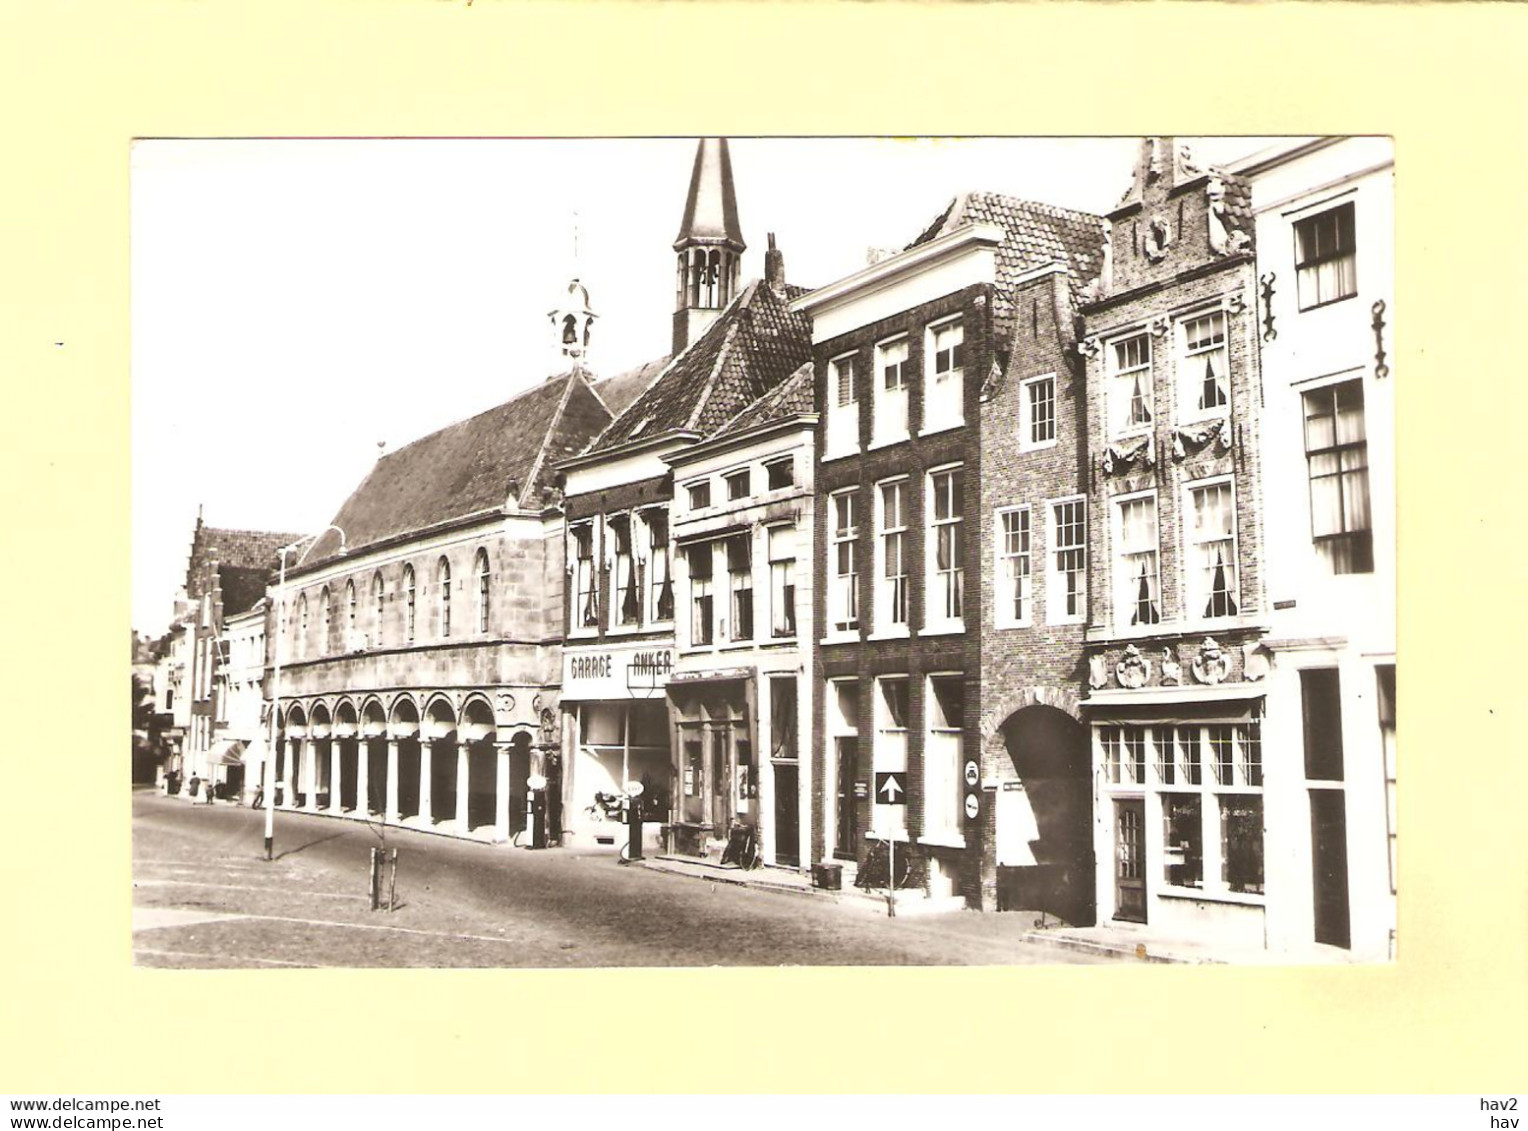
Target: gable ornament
{"points": [[1172, 671], [1212, 665], [1098, 671], [1159, 237], [1133, 670]]}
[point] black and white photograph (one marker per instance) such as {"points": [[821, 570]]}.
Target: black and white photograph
{"points": [[763, 551]]}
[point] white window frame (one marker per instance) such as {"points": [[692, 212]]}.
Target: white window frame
{"points": [[839, 624], [1190, 376], [941, 775], [936, 619], [942, 418], [689, 493], [882, 624], [782, 569], [746, 474], [741, 581], [1003, 600], [1027, 441], [786, 461], [617, 590], [842, 436], [1302, 268], [577, 592], [650, 583], [1119, 385], [1055, 578], [1126, 588], [443, 598], [1196, 598], [700, 587], [889, 420], [888, 754]]}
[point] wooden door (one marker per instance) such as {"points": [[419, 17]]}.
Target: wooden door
{"points": [[1329, 864], [787, 814], [845, 751], [1130, 860]]}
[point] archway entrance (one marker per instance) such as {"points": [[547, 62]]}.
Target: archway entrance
{"points": [[322, 748], [345, 731], [373, 738], [478, 732], [440, 732], [1045, 820], [404, 728]]}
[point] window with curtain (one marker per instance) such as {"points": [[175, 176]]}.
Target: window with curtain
{"points": [[702, 625], [740, 581], [585, 579], [1204, 381], [661, 580], [1326, 258], [946, 533], [891, 585], [1337, 452], [843, 597], [1211, 542], [626, 599], [782, 581], [1067, 599], [1137, 597], [484, 585], [1013, 540], [1129, 387]]}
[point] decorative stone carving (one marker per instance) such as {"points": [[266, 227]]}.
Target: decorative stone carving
{"points": [[1088, 347], [994, 379], [1133, 670], [506, 703], [1159, 237], [1172, 671], [1143, 451], [1236, 305], [1254, 661], [1266, 281], [1160, 326], [1381, 370], [1098, 671], [1212, 665], [1187, 441]]}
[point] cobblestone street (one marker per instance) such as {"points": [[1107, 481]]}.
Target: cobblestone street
{"points": [[204, 896]]}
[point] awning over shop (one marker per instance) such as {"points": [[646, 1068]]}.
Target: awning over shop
{"points": [[229, 753], [1240, 703]]}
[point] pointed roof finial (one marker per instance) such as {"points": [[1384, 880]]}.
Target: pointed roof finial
{"points": [[710, 210]]}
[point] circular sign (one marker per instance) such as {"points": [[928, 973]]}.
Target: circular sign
{"points": [[536, 781], [973, 773], [973, 806], [634, 788]]}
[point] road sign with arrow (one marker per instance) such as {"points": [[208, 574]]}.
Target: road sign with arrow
{"points": [[891, 787]]}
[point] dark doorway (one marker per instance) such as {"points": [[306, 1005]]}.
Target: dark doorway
{"points": [[349, 762], [1046, 827], [1129, 860], [408, 777], [846, 753], [442, 779], [376, 774], [1329, 863], [482, 778], [519, 791], [787, 814]]}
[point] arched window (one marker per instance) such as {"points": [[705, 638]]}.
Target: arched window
{"points": [[350, 614], [443, 574], [408, 604], [325, 611], [302, 625], [570, 331], [482, 596], [376, 605]]}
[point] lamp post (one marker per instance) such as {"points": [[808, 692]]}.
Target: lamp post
{"points": [[270, 751]]}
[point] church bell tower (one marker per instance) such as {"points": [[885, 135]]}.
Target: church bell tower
{"points": [[709, 246]]}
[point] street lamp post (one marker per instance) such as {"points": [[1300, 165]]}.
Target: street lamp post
{"points": [[270, 750]]}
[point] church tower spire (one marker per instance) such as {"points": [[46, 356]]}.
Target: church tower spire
{"points": [[572, 318], [709, 245]]}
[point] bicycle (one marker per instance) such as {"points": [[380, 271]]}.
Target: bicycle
{"points": [[875, 872], [742, 848]]}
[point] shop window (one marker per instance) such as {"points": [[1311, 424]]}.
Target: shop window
{"points": [[1204, 375], [946, 589], [1014, 597], [1211, 539], [1137, 592], [626, 599], [740, 581], [782, 582], [889, 421], [702, 625], [780, 473], [660, 585], [1129, 397], [1337, 452], [738, 485], [1183, 839], [944, 378], [843, 593], [1321, 708], [1326, 257], [1241, 842], [944, 711], [891, 542], [1066, 601], [621, 743]]}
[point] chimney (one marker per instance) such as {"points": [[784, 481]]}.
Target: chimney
{"points": [[774, 266]]}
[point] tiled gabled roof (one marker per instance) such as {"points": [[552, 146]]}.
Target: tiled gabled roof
{"points": [[1034, 234], [468, 467], [793, 397], [756, 343], [619, 391]]}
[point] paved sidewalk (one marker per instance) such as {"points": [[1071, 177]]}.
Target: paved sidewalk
{"points": [[910, 902]]}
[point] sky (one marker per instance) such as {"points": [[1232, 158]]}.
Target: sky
{"points": [[297, 302]]}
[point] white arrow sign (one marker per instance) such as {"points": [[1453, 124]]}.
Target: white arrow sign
{"points": [[891, 789]]}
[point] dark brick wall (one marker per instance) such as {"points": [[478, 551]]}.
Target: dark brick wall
{"points": [[614, 500], [915, 656]]}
